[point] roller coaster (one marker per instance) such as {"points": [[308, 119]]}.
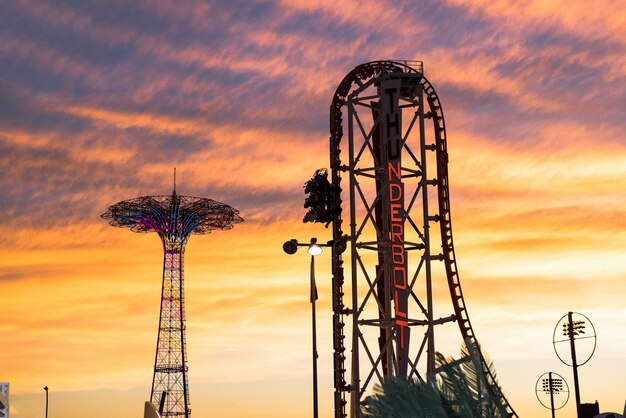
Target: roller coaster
{"points": [[384, 287]]}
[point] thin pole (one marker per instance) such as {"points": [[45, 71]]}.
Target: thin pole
{"points": [[430, 330], [355, 390], [551, 393], [574, 365], [46, 389], [314, 330], [162, 401]]}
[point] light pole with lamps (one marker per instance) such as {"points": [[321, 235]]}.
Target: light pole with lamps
{"points": [[314, 249], [573, 330], [552, 385], [46, 389]]}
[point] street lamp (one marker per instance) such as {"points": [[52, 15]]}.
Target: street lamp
{"points": [[552, 385], [314, 249], [46, 389], [573, 329]]}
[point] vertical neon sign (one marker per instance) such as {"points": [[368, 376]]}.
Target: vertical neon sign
{"points": [[393, 201]]}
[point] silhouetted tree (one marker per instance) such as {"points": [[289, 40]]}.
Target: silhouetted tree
{"points": [[463, 391]]}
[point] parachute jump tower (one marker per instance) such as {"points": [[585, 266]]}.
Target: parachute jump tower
{"points": [[174, 218], [387, 134]]}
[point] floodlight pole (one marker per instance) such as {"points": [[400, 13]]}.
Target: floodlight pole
{"points": [[46, 389], [551, 393], [570, 330]]}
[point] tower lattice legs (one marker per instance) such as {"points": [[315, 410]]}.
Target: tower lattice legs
{"points": [[170, 387]]}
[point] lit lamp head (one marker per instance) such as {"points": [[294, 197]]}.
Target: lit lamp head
{"points": [[314, 249]]}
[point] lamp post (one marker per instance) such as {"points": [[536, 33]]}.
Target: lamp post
{"points": [[570, 330], [573, 329], [552, 385], [46, 389], [314, 249]]}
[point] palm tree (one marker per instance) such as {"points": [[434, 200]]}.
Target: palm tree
{"points": [[463, 391], [402, 398]]}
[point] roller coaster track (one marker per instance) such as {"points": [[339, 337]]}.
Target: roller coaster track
{"points": [[358, 76]]}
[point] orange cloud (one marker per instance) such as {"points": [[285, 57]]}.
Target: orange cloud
{"points": [[607, 19]]}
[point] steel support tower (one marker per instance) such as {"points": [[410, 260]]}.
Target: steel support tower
{"points": [[383, 154], [174, 218]]}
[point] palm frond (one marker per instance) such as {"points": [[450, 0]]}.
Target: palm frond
{"points": [[401, 398], [469, 384], [454, 386], [467, 388]]}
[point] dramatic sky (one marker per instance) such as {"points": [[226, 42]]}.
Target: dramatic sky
{"points": [[99, 100]]}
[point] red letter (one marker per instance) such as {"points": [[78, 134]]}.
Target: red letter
{"points": [[394, 170], [398, 188], [397, 231], [402, 325], [397, 254], [396, 212], [399, 273], [398, 311]]}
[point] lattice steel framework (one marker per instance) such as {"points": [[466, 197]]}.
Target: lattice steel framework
{"points": [[379, 141], [174, 218]]}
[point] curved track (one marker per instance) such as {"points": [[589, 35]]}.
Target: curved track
{"points": [[357, 77]]}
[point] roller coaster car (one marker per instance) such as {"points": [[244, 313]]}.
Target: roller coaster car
{"points": [[150, 411], [408, 88]]}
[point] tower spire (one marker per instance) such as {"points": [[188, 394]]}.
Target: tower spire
{"points": [[174, 181]]}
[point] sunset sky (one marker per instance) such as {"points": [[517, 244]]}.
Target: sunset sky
{"points": [[99, 101]]}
